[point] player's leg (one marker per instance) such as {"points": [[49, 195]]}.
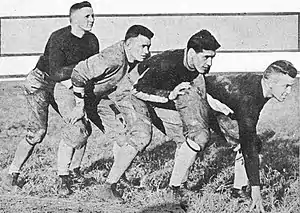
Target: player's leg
{"points": [[75, 166], [37, 96], [137, 137], [193, 110], [172, 124], [174, 130], [73, 137], [67, 103], [230, 130]]}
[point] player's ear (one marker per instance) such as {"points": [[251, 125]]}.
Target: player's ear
{"points": [[191, 53], [74, 17], [129, 43], [271, 83]]}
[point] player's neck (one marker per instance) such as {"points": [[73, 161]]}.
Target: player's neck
{"points": [[76, 31], [266, 88]]}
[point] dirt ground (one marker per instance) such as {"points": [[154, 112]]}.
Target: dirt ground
{"points": [[13, 203]]}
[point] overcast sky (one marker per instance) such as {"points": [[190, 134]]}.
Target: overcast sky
{"points": [[61, 7]]}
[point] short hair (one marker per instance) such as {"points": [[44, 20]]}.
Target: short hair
{"points": [[79, 5], [280, 66], [136, 30], [203, 40]]}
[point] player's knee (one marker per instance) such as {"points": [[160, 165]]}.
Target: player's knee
{"points": [[75, 141], [201, 138], [178, 139], [76, 135], [141, 140], [145, 138], [35, 137]]}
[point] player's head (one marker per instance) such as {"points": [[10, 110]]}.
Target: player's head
{"points": [[138, 42], [82, 16], [201, 49], [280, 76]]}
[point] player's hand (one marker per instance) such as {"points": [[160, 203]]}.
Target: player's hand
{"points": [[218, 105], [179, 90], [36, 81], [256, 200], [77, 113]]}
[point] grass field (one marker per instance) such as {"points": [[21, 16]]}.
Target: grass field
{"points": [[210, 179]]}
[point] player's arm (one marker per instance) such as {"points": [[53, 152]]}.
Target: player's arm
{"points": [[145, 87], [248, 141], [92, 69], [251, 145], [217, 105], [247, 117]]}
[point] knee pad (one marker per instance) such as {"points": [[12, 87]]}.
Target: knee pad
{"points": [[76, 135], [35, 137]]}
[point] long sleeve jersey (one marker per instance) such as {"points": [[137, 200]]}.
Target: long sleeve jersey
{"points": [[243, 93], [102, 73], [161, 73], [64, 50]]}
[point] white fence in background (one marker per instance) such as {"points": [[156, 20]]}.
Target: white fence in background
{"points": [[250, 41]]}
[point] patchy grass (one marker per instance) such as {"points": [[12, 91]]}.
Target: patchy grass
{"points": [[145, 186]]}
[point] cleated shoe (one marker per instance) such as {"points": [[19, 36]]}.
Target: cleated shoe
{"points": [[240, 193], [9, 182], [178, 191], [110, 193], [64, 187], [77, 176]]}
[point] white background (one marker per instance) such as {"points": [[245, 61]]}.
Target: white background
{"points": [[61, 7]]}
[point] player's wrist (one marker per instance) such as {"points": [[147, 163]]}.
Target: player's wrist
{"points": [[172, 96], [79, 96], [79, 92]]}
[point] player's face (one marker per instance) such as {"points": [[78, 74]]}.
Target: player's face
{"points": [[282, 87], [139, 47], [202, 61], [84, 18]]}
